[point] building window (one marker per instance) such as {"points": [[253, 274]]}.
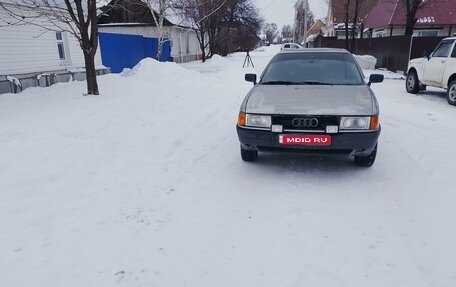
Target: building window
{"points": [[426, 33], [60, 45]]}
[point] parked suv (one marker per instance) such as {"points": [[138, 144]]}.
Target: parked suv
{"points": [[311, 100], [437, 70]]}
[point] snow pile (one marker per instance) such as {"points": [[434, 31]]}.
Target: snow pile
{"points": [[366, 62], [218, 61], [387, 74], [150, 68], [311, 38]]}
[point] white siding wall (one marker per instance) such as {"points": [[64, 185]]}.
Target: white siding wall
{"points": [[30, 49]]}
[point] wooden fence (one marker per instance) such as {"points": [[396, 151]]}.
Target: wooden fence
{"points": [[392, 53]]}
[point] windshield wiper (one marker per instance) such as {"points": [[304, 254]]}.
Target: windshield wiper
{"points": [[279, 83], [314, 83]]}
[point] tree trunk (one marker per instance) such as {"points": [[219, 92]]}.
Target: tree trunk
{"points": [[410, 25], [203, 53], [91, 74], [347, 43], [160, 49], [353, 29]]}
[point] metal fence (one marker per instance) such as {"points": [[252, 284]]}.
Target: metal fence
{"points": [[392, 53]]}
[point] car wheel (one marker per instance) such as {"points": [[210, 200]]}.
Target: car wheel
{"points": [[452, 93], [249, 155], [366, 160], [412, 84]]}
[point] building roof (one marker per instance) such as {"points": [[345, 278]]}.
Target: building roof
{"points": [[386, 13], [338, 8], [131, 11], [316, 28]]}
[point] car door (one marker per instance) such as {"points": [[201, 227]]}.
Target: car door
{"points": [[450, 67], [435, 66]]}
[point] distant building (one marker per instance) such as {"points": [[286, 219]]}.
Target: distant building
{"points": [[337, 14], [128, 35], [436, 18]]}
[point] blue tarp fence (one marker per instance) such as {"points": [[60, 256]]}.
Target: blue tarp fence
{"points": [[119, 51]]}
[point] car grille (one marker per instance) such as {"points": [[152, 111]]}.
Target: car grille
{"points": [[287, 122]]}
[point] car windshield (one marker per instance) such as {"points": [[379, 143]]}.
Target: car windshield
{"points": [[312, 69]]}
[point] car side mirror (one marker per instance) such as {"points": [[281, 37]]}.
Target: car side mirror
{"points": [[426, 55], [375, 78], [251, 78]]}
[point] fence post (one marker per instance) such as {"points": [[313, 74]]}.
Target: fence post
{"points": [[410, 52]]}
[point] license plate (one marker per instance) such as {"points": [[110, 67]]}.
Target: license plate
{"points": [[308, 140]]}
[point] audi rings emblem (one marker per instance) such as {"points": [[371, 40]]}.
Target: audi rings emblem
{"points": [[304, 122]]}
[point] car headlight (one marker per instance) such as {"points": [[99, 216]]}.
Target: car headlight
{"points": [[259, 121], [250, 120], [355, 123]]}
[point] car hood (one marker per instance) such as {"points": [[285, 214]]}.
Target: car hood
{"points": [[417, 60], [313, 100]]}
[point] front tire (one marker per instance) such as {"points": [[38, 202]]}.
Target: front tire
{"points": [[412, 84], [451, 96], [249, 155], [367, 160]]}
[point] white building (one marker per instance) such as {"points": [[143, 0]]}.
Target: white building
{"points": [[32, 56], [128, 33]]}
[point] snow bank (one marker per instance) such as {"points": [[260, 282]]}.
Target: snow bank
{"points": [[387, 74], [153, 69], [311, 38], [217, 61], [366, 62]]}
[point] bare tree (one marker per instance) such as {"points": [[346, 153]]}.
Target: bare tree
{"points": [[200, 14], [221, 25], [76, 17], [287, 33], [352, 13], [271, 31], [301, 20], [159, 10], [411, 8]]}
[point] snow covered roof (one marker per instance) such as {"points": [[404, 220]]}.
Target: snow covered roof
{"points": [[385, 13]]}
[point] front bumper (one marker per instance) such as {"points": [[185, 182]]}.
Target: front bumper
{"points": [[352, 143]]}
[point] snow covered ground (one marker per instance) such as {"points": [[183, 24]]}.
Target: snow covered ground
{"points": [[144, 186]]}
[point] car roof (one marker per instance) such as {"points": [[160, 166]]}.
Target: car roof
{"points": [[315, 50], [449, 39]]}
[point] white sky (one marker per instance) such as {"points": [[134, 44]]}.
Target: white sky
{"points": [[281, 12]]}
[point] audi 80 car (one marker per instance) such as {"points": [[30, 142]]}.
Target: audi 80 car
{"points": [[311, 100]]}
